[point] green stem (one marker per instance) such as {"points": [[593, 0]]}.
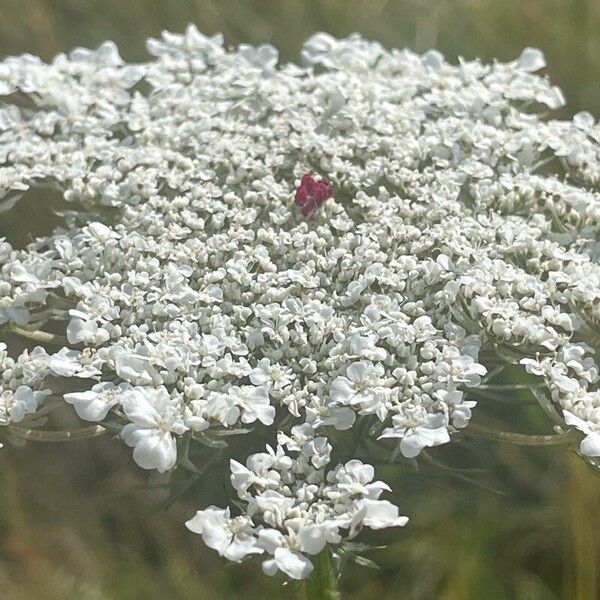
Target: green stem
{"points": [[36, 435], [521, 439], [322, 584], [509, 387]]}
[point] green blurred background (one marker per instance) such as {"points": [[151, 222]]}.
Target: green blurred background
{"points": [[488, 521]]}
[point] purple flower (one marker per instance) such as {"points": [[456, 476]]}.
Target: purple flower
{"points": [[311, 193]]}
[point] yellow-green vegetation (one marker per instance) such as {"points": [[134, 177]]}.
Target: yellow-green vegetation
{"points": [[88, 524], [515, 523]]}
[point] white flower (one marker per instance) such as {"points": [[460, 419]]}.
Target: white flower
{"points": [[72, 363], [455, 367], [229, 537], [276, 378], [417, 430], [362, 386], [320, 413], [354, 52], [219, 407], [319, 508], [314, 537], [590, 445], [87, 331], [254, 402], [154, 417], [531, 59], [263, 57], [192, 44], [94, 404], [381, 514], [293, 564], [134, 368], [355, 473], [23, 401], [459, 410], [18, 315]]}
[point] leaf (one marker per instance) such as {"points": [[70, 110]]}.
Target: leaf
{"points": [[229, 432], [365, 562], [211, 443]]}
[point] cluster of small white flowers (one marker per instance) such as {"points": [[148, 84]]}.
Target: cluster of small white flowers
{"points": [[295, 506], [190, 296], [22, 388]]}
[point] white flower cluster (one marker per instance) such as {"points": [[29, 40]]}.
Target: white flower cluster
{"points": [[295, 506], [185, 294]]}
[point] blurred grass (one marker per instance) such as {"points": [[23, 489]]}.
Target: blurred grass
{"points": [[80, 522]]}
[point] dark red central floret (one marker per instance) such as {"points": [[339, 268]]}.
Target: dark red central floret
{"points": [[311, 194]]}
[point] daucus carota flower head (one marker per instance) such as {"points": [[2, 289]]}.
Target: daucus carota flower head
{"points": [[188, 306]]}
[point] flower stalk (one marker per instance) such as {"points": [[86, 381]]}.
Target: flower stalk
{"points": [[35, 335], [72, 435], [323, 584], [522, 439]]}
